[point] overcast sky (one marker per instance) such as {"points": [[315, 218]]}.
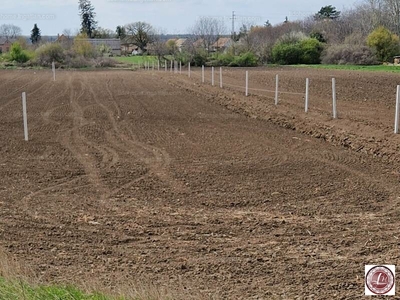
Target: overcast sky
{"points": [[172, 16]]}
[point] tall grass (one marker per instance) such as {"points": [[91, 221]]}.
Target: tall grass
{"points": [[18, 283]]}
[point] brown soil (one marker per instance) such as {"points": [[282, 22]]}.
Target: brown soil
{"points": [[153, 176]]}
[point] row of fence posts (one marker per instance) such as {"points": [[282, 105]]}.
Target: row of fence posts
{"points": [[334, 114], [147, 66], [174, 68]]}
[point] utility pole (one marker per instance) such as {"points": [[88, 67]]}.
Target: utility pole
{"points": [[233, 24]]}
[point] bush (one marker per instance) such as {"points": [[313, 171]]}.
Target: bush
{"points": [[349, 54], [104, 62], [225, 59], [104, 50], [72, 60], [286, 54], [311, 50], [17, 54], [47, 53], [384, 42], [221, 59], [306, 51], [200, 58], [83, 47], [247, 59]]}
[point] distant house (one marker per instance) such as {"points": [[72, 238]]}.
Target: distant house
{"points": [[182, 44], [199, 43], [64, 40], [222, 44], [5, 44]]}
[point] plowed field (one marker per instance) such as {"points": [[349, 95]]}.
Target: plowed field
{"points": [[152, 176]]}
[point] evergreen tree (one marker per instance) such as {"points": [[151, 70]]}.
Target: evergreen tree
{"points": [[327, 12], [120, 32], [87, 15], [35, 34]]}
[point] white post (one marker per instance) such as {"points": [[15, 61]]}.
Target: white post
{"points": [[153, 65], [220, 77], [158, 65], [166, 66], [396, 119], [247, 83], [277, 90], [176, 67], [180, 67], [172, 66], [53, 66], [25, 116], [334, 98], [189, 70], [212, 76], [307, 94], [202, 74]]}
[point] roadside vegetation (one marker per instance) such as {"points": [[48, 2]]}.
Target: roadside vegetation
{"points": [[21, 283], [17, 289]]}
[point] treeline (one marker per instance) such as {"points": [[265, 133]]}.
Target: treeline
{"points": [[366, 34]]}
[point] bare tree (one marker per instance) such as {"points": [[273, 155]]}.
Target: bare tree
{"points": [[103, 33], [392, 8], [10, 31], [158, 46], [209, 30], [140, 33], [67, 33]]}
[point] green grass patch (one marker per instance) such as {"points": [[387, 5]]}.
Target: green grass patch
{"points": [[135, 59], [377, 68], [16, 290]]}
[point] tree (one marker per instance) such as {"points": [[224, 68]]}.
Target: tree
{"points": [[318, 36], [208, 31], [103, 33], [18, 54], [140, 33], [327, 12], [87, 15], [35, 34], [120, 32], [384, 42], [83, 47], [159, 47], [267, 24], [67, 33], [10, 31]]}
